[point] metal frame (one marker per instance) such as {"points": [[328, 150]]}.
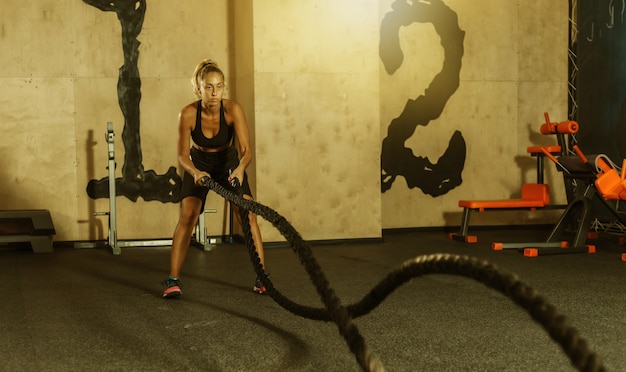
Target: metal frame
{"points": [[112, 241], [201, 236]]}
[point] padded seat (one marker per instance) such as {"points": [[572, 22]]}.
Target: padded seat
{"points": [[533, 196]]}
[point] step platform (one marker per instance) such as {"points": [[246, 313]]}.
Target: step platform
{"points": [[27, 226]]}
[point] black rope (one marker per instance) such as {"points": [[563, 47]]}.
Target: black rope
{"points": [[540, 310]]}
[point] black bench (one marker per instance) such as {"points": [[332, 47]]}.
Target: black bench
{"points": [[32, 226]]}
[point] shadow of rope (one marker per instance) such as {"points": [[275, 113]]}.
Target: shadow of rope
{"points": [[508, 284]]}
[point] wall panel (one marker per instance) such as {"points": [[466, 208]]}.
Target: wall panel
{"points": [[506, 45], [37, 151], [317, 96], [316, 101]]}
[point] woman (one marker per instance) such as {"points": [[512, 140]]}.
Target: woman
{"points": [[206, 134]]}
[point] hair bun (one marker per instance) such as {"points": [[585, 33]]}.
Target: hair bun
{"points": [[209, 62]]}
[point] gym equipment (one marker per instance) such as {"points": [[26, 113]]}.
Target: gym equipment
{"points": [[200, 236], [596, 178], [112, 241], [31, 226], [535, 196]]}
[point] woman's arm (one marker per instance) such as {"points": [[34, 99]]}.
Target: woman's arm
{"points": [[186, 118], [242, 133]]}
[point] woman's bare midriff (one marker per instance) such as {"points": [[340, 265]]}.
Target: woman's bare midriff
{"points": [[211, 149]]}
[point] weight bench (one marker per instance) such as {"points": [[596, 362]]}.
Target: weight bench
{"points": [[534, 196], [599, 180], [31, 226], [596, 180]]}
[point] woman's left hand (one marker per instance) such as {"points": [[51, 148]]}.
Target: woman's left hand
{"points": [[237, 174]]}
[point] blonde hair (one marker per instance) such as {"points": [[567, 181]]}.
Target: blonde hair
{"points": [[202, 69]]}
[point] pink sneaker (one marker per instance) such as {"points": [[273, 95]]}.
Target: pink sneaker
{"points": [[172, 288], [259, 287]]}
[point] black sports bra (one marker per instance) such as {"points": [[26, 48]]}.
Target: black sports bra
{"points": [[223, 136]]}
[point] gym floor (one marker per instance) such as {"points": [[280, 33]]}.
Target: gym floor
{"points": [[87, 309]]}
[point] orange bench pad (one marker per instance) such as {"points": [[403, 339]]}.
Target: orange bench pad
{"points": [[539, 149], [534, 195]]}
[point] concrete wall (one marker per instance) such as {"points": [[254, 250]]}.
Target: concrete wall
{"points": [[316, 94], [514, 68], [317, 115]]}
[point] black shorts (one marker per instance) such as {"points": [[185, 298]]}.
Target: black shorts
{"points": [[218, 165]]}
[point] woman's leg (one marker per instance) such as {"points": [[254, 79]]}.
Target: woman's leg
{"points": [[189, 212], [258, 243], [254, 229]]}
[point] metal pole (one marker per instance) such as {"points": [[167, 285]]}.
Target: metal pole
{"points": [[110, 137]]}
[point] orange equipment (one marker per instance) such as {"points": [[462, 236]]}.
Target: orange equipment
{"points": [[611, 185], [601, 181], [534, 196]]}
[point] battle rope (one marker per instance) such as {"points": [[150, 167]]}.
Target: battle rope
{"points": [[555, 324]]}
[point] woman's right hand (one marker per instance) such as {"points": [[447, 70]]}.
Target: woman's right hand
{"points": [[198, 177]]}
